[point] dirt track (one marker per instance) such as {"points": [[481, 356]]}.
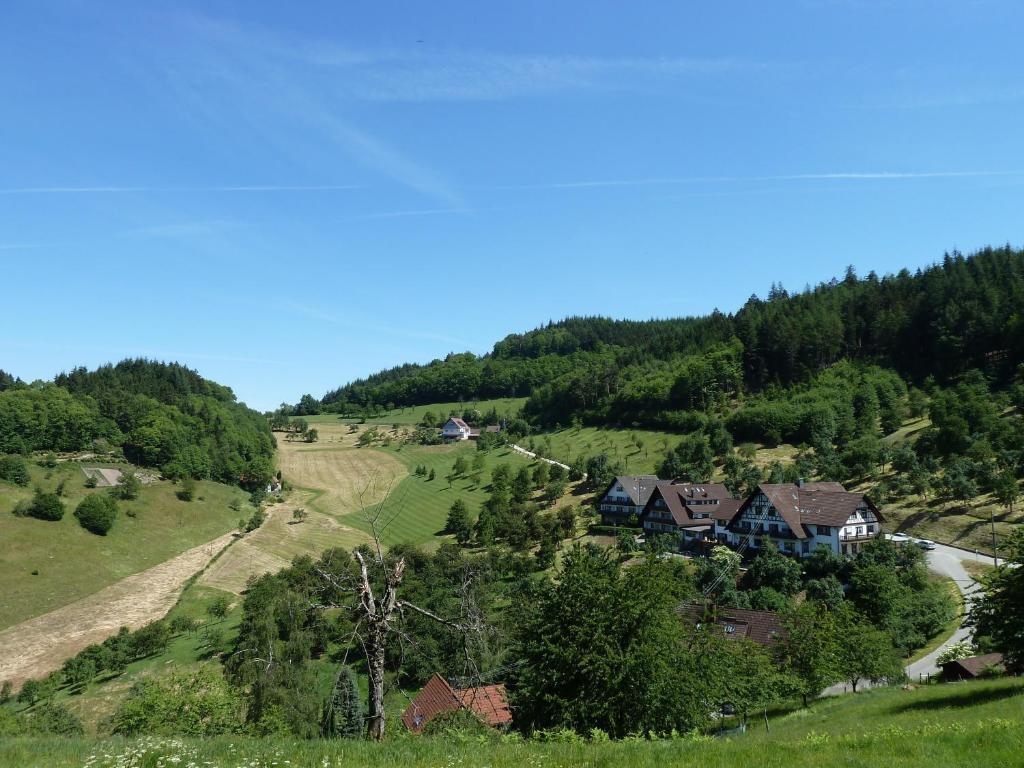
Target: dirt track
{"points": [[35, 647]]}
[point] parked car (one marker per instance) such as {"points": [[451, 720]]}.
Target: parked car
{"points": [[926, 544], [899, 538]]}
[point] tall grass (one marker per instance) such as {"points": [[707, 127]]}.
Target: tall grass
{"points": [[968, 724]]}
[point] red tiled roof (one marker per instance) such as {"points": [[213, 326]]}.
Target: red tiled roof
{"points": [[487, 702], [435, 698], [458, 422], [762, 627]]}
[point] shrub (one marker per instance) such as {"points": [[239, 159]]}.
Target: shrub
{"points": [[151, 638], [255, 521], [44, 506], [955, 652], [457, 725], [14, 469], [51, 719], [200, 703], [96, 513]]}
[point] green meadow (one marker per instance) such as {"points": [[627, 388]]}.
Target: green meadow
{"points": [[960, 725], [44, 564], [419, 505]]}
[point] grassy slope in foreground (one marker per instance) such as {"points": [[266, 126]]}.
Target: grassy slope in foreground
{"points": [[73, 563], [966, 724]]}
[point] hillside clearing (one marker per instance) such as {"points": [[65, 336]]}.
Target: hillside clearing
{"points": [[46, 565], [345, 478], [35, 647]]}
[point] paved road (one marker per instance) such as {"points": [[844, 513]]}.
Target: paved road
{"points": [[949, 561], [945, 561]]}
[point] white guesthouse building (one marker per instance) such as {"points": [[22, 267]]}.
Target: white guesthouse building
{"points": [[801, 517]]}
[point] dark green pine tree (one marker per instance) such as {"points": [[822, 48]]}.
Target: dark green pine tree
{"points": [[343, 712]]}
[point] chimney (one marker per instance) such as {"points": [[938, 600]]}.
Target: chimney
{"points": [[800, 482]]}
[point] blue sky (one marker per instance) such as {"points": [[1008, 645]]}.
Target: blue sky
{"points": [[288, 196]]}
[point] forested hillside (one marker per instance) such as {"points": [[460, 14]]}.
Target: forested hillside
{"points": [[160, 415], [940, 322]]}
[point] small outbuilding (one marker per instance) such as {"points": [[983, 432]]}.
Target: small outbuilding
{"points": [[488, 702], [973, 667]]}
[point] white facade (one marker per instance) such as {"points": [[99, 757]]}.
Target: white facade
{"points": [[760, 523], [454, 430]]}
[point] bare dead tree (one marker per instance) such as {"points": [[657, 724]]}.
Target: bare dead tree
{"points": [[381, 615]]}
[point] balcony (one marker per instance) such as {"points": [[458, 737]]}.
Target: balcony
{"points": [[854, 537]]}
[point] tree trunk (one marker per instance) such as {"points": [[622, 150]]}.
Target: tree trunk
{"points": [[375, 666]]}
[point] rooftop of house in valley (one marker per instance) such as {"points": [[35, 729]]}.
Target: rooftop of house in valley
{"points": [[438, 696]]}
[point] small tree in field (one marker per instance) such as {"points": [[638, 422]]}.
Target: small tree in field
{"points": [[459, 523], [343, 714], [865, 653], [128, 486], [219, 608], [96, 513], [187, 491], [299, 515]]}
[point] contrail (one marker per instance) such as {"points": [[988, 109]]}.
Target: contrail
{"points": [[228, 188]]}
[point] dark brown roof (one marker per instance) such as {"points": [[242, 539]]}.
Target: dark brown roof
{"points": [[638, 487], [824, 503], [726, 510], [975, 665], [488, 702], [762, 627], [680, 497]]}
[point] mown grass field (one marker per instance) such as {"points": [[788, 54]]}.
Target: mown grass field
{"points": [[72, 563], [413, 414], [962, 725], [419, 506], [416, 506], [340, 486]]}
